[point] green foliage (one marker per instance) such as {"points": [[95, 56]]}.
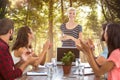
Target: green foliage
{"points": [[35, 14], [68, 58], [3, 8], [111, 10]]}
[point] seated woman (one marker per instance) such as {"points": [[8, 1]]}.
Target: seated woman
{"points": [[103, 56], [112, 64], [23, 41]]}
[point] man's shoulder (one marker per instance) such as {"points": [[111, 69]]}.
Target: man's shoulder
{"points": [[2, 46]]}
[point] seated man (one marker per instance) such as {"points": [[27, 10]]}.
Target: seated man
{"points": [[8, 71]]}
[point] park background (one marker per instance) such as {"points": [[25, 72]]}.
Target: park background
{"points": [[46, 16]]}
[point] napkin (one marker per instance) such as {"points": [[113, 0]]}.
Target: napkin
{"points": [[41, 66], [87, 71], [36, 73]]}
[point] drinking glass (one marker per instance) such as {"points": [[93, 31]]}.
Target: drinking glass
{"points": [[82, 70], [53, 60], [49, 69], [77, 64]]}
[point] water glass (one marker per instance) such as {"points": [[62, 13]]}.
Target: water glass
{"points": [[54, 61], [49, 68], [77, 62], [82, 67], [82, 70]]}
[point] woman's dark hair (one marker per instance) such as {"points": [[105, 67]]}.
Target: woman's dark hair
{"points": [[113, 34], [103, 28], [22, 38]]}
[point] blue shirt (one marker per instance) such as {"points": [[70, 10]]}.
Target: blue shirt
{"points": [[105, 52]]}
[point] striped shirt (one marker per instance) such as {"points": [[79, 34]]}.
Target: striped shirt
{"points": [[71, 32]]}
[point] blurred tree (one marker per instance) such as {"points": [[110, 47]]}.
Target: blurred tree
{"points": [[70, 3], [62, 11], [46, 16], [3, 8], [50, 33], [111, 10]]}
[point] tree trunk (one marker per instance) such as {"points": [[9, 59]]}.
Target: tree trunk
{"points": [[62, 11], [70, 3], [110, 12], [50, 33], [27, 14], [103, 11]]}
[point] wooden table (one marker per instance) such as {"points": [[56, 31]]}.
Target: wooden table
{"points": [[57, 75]]}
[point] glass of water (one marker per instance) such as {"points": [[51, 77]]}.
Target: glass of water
{"points": [[54, 62], [77, 62], [82, 67], [81, 71], [49, 69]]}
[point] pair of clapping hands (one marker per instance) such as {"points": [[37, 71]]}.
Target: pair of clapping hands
{"points": [[27, 55], [87, 47]]}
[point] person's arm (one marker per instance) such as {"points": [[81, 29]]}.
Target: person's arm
{"points": [[100, 60], [19, 63], [30, 60], [42, 55], [7, 69], [80, 32], [80, 35], [20, 53], [67, 37], [42, 58], [107, 66]]}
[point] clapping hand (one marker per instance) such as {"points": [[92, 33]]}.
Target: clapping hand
{"points": [[90, 43], [85, 48], [29, 58], [47, 46]]}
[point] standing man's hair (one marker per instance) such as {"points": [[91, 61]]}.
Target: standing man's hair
{"points": [[5, 25]]}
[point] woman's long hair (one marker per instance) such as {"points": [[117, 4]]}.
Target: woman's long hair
{"points": [[113, 33], [103, 28], [22, 38]]}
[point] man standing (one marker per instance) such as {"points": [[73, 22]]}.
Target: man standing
{"points": [[8, 71]]}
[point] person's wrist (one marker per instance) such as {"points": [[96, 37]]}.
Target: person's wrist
{"points": [[44, 51]]}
